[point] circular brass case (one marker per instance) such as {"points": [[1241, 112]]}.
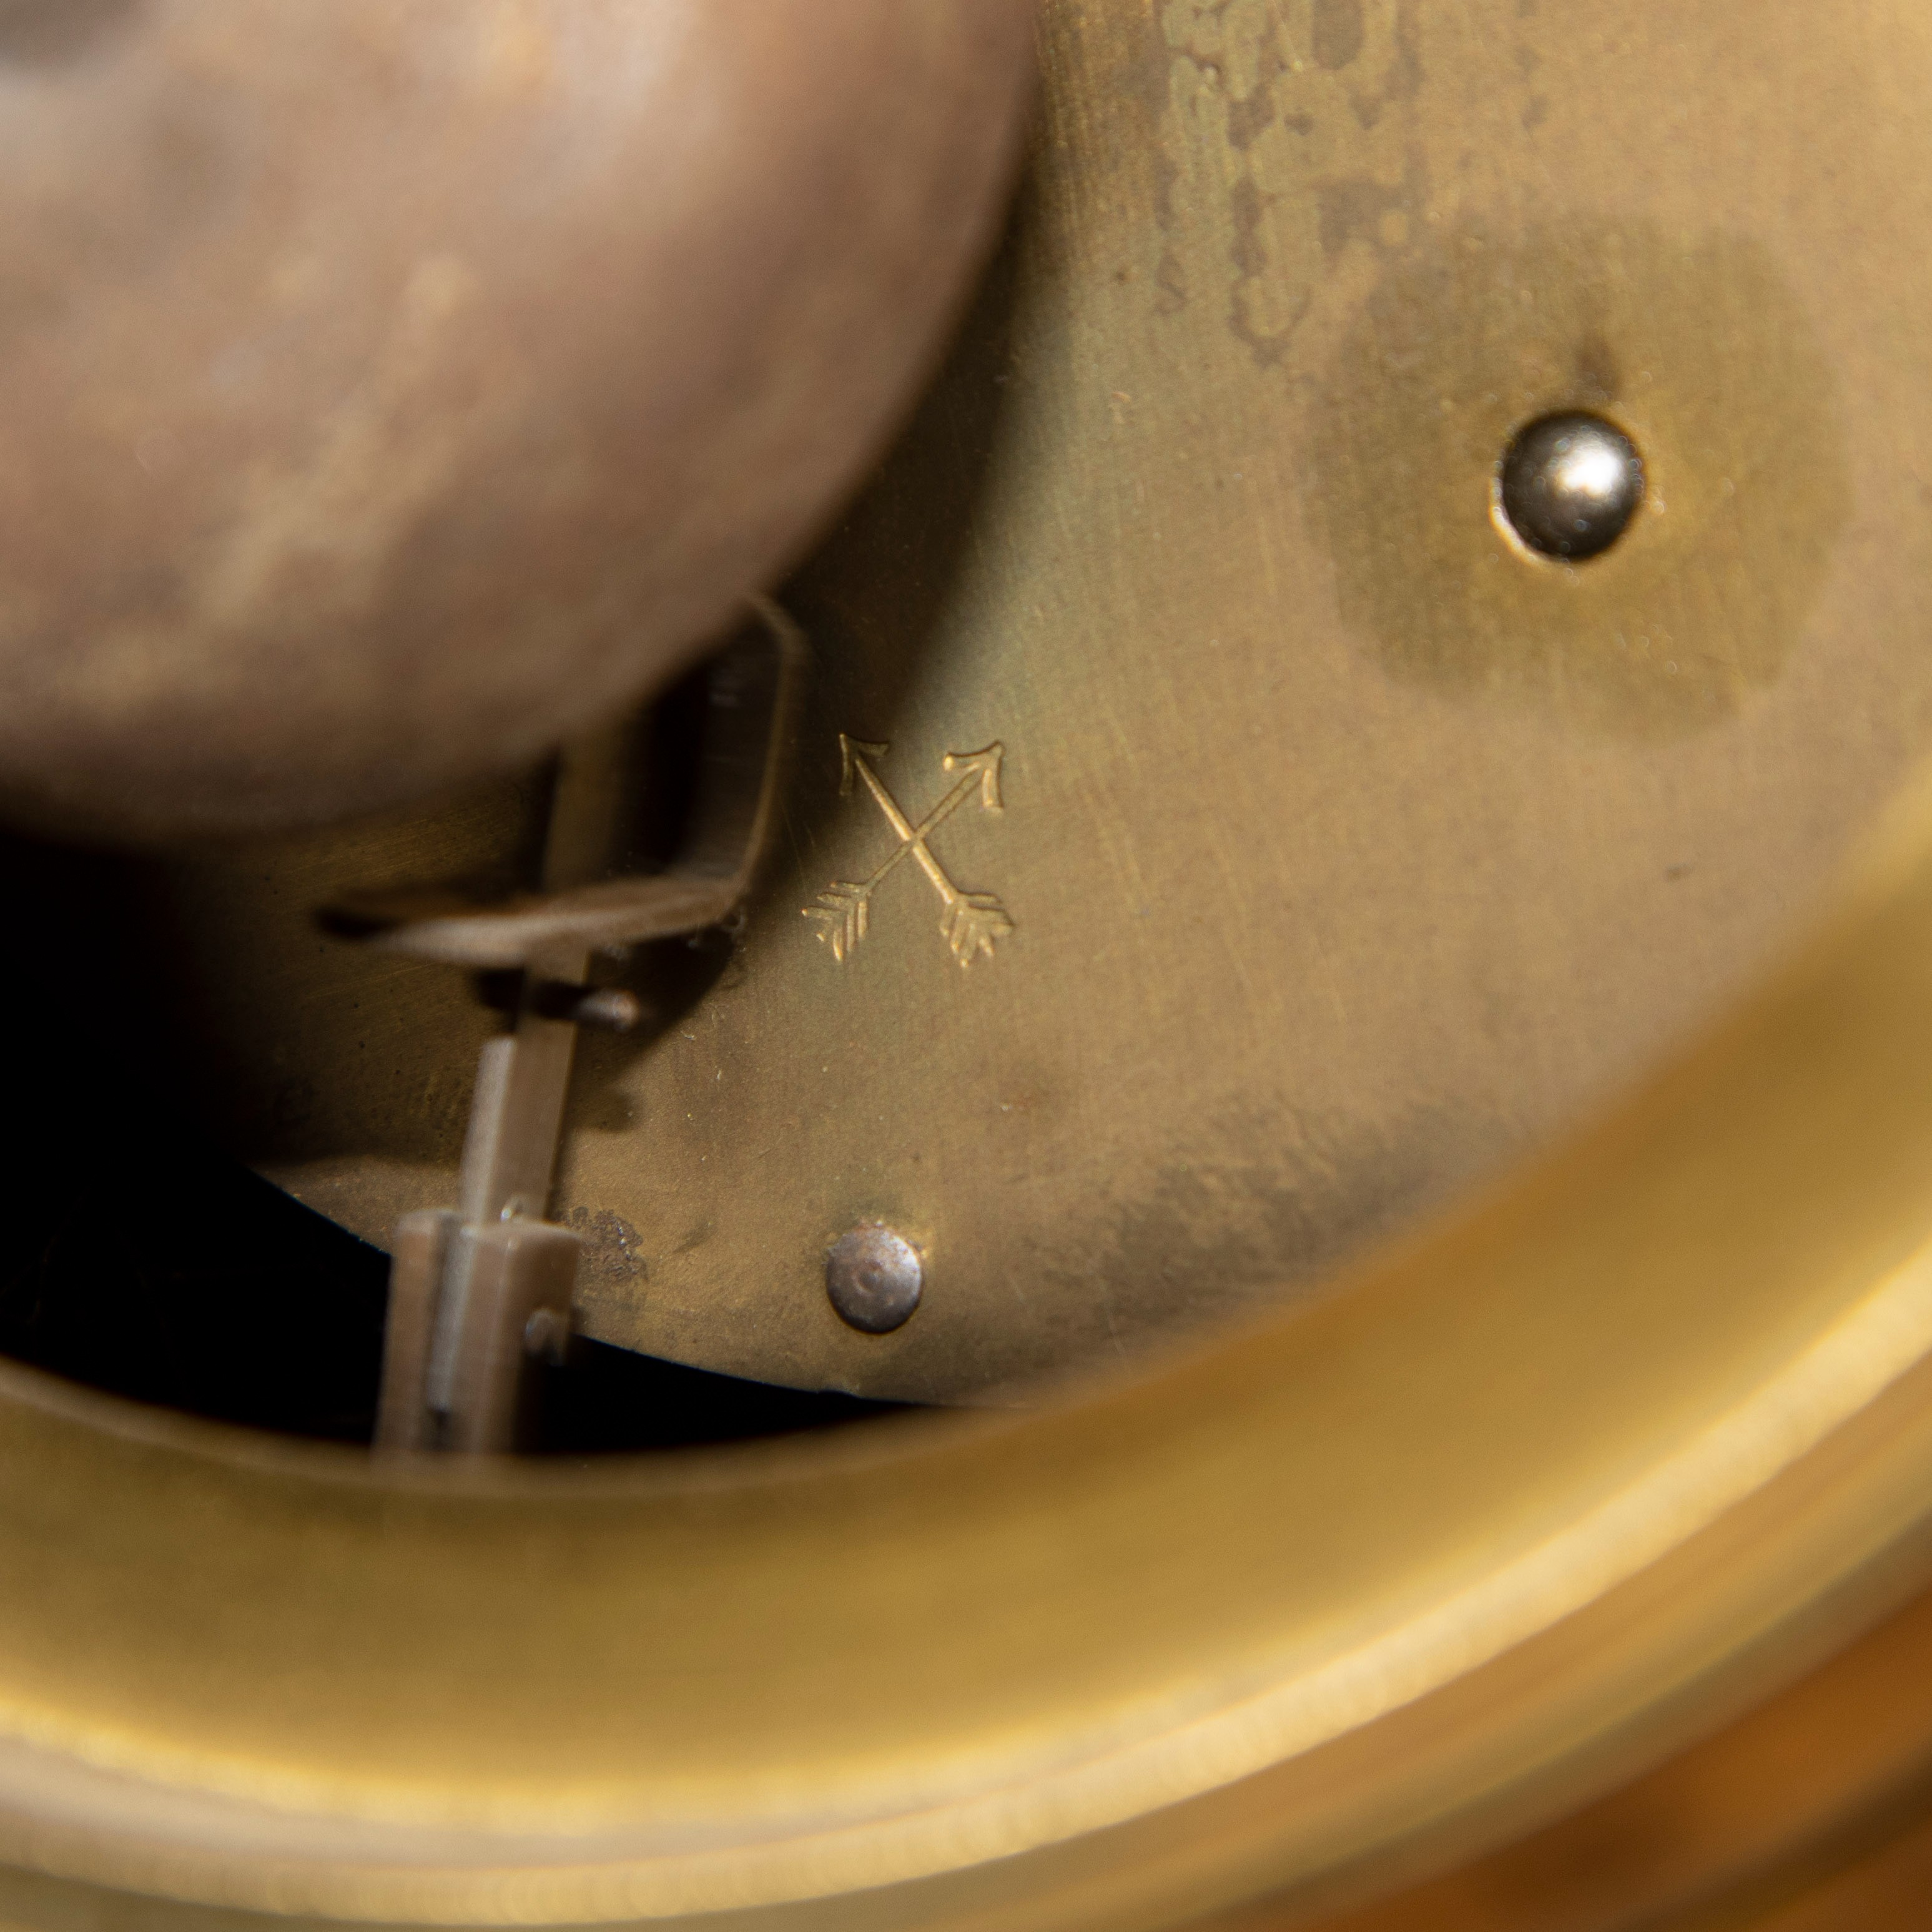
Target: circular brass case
{"points": [[1376, 1581]]}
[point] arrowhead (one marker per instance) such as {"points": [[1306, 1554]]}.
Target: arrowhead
{"points": [[987, 764], [849, 749]]}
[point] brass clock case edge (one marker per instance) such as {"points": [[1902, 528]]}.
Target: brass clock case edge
{"points": [[1486, 1527]]}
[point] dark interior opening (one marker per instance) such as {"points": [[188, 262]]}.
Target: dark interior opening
{"points": [[139, 1257]]}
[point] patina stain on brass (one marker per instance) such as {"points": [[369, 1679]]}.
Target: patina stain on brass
{"points": [[1348, 852], [1699, 348]]}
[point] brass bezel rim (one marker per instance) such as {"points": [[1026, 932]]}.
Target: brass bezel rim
{"points": [[1799, 1446]]}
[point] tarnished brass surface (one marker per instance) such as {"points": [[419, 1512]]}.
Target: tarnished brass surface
{"points": [[394, 387], [1342, 854], [1347, 852], [1388, 1575]]}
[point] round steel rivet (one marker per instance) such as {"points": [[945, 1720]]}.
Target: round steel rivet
{"points": [[873, 1277], [1569, 485]]}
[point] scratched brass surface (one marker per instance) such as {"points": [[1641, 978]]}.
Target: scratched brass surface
{"points": [[1347, 854]]}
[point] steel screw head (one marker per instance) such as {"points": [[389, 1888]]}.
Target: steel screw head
{"points": [[1569, 485], [873, 1277]]}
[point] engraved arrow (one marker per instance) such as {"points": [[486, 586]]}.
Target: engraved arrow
{"points": [[970, 922]]}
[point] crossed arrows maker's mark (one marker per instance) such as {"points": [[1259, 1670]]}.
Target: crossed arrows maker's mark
{"points": [[971, 921]]}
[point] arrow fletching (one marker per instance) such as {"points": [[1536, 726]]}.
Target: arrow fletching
{"points": [[972, 923], [841, 910]]}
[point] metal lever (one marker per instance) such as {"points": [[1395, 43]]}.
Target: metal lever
{"points": [[480, 1293], [753, 690]]}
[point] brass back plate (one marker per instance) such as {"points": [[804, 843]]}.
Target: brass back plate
{"points": [[1347, 852]]}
